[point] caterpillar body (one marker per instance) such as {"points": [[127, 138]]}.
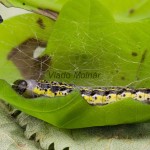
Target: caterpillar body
{"points": [[94, 96]]}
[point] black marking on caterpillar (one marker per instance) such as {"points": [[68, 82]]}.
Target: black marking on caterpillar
{"points": [[94, 96]]}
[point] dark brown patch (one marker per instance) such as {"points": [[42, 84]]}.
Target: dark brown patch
{"points": [[40, 23], [22, 57], [122, 78], [143, 56], [49, 13], [134, 54], [1, 19], [131, 11]]}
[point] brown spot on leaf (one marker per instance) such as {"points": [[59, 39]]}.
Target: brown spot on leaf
{"points": [[143, 56], [22, 57], [117, 71], [122, 78], [134, 54], [40, 23], [131, 11], [141, 63]]}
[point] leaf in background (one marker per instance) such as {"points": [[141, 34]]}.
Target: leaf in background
{"points": [[11, 135], [117, 137], [19, 38]]}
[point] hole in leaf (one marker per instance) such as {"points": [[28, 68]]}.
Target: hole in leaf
{"points": [[51, 147], [32, 137], [16, 113]]}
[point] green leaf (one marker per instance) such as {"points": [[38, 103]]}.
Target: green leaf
{"points": [[14, 32], [91, 40]]}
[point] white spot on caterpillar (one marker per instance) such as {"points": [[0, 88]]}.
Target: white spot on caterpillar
{"points": [[140, 96]]}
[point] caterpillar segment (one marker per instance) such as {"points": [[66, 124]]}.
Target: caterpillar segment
{"points": [[95, 96], [33, 88]]}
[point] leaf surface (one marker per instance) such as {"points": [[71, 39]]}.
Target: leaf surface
{"points": [[91, 41]]}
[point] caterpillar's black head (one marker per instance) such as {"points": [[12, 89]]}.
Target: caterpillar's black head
{"points": [[20, 86]]}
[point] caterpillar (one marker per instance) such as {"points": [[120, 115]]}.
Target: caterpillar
{"points": [[94, 96]]}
